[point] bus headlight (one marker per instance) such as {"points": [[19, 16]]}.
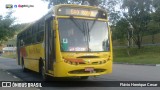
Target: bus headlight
{"points": [[73, 61]]}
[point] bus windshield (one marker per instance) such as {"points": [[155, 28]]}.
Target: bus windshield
{"points": [[83, 35]]}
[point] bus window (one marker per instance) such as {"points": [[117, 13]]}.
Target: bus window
{"points": [[81, 36], [40, 36]]}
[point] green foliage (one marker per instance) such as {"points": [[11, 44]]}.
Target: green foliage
{"points": [[91, 2], [7, 27], [137, 14], [20, 27], [7, 30], [154, 27], [145, 55], [121, 29], [156, 4]]}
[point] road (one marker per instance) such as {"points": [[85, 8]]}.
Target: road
{"points": [[121, 72]]}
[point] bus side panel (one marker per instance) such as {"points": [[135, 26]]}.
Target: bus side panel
{"points": [[32, 55]]}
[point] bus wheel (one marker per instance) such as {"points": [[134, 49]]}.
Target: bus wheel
{"points": [[23, 66], [84, 77], [43, 75]]}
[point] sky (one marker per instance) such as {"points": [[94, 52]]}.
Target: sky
{"points": [[25, 14]]}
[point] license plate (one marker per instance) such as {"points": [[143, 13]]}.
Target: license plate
{"points": [[89, 69]]}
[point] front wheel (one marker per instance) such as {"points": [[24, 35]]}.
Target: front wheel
{"points": [[43, 75]]}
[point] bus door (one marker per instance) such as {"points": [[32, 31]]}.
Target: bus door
{"points": [[49, 44]]}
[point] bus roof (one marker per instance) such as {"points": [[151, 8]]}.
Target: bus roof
{"points": [[53, 12], [56, 7]]}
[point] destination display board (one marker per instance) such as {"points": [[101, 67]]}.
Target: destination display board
{"points": [[85, 12]]}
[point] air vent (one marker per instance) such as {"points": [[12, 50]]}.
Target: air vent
{"points": [[88, 57]]}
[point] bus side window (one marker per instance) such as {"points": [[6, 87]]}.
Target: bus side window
{"points": [[24, 38], [22, 43], [40, 36], [40, 32], [34, 34]]}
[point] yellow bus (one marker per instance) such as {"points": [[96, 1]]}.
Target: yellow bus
{"points": [[69, 41]]}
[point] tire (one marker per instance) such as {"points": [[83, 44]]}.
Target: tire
{"points": [[42, 72], [23, 66], [84, 77]]}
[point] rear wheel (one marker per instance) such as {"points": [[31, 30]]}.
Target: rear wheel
{"points": [[23, 66]]}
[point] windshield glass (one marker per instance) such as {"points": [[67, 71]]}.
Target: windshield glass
{"points": [[83, 35]]}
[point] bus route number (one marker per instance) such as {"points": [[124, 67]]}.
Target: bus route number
{"points": [[80, 12]]}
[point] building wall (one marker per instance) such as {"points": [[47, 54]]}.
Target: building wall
{"points": [[9, 46]]}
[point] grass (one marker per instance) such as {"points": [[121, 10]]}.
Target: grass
{"points": [[146, 40], [10, 55], [146, 55]]}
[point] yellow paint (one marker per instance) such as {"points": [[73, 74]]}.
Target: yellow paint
{"points": [[34, 53], [61, 68]]}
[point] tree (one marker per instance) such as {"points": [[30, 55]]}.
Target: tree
{"points": [[154, 28], [91, 2], [20, 27], [137, 13], [122, 30], [7, 29], [156, 4], [154, 24], [111, 7], [156, 14]]}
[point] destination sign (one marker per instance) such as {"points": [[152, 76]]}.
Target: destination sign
{"points": [[81, 12]]}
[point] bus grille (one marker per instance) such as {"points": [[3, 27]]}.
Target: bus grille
{"points": [[82, 71]]}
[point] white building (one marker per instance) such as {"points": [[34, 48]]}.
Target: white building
{"points": [[9, 49]]}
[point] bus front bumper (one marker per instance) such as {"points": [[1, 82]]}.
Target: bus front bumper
{"points": [[63, 69]]}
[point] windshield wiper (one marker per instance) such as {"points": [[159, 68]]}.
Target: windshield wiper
{"points": [[87, 35], [76, 23], [83, 29]]}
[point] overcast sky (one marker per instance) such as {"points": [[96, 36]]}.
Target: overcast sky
{"points": [[25, 14]]}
